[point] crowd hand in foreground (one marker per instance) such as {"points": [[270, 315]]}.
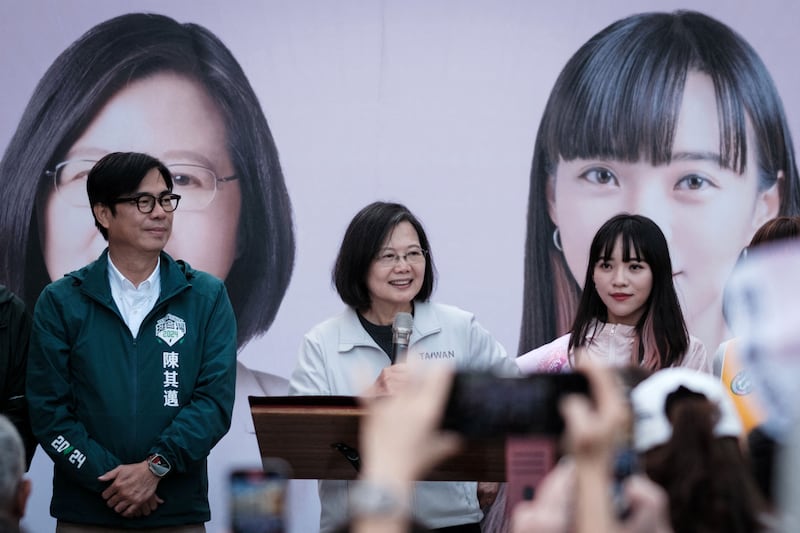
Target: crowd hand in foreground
{"points": [[400, 442], [393, 378], [400, 436], [576, 495]]}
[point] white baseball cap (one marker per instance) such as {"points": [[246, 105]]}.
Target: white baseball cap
{"points": [[652, 427]]}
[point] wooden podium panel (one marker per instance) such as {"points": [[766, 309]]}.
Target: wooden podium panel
{"points": [[304, 429]]}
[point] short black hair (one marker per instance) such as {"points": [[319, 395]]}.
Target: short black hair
{"points": [[118, 174], [363, 240]]}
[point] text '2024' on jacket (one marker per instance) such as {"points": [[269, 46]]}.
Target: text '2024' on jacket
{"points": [[100, 397]]}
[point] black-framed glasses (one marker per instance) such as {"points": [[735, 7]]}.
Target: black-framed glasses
{"points": [[196, 184], [389, 258], [146, 202]]}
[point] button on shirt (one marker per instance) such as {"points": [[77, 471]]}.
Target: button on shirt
{"points": [[134, 302]]}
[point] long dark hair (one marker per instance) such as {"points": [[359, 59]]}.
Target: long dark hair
{"points": [[618, 98], [65, 102], [661, 335], [707, 479]]}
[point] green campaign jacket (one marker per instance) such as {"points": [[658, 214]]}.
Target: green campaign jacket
{"points": [[99, 398]]}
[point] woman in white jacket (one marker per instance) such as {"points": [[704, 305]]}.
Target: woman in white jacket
{"points": [[384, 267], [629, 313]]}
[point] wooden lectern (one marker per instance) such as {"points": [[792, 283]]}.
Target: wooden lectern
{"points": [[318, 437]]}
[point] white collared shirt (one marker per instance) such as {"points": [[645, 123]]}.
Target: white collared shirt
{"points": [[134, 302]]}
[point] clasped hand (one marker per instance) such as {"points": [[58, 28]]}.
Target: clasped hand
{"points": [[132, 492]]}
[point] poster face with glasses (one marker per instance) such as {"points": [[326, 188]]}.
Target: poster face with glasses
{"points": [[300, 113]]}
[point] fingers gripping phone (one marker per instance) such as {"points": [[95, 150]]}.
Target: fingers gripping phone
{"points": [[524, 411]]}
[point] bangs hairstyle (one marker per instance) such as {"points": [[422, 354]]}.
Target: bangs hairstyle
{"points": [[82, 79], [661, 336], [655, 52], [118, 174], [362, 242], [618, 98]]}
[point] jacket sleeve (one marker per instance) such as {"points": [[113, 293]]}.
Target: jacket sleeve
{"points": [[532, 361], [552, 357], [486, 353], [51, 402], [14, 405], [202, 422], [310, 377]]}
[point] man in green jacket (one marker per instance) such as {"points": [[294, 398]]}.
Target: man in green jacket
{"points": [[131, 370]]}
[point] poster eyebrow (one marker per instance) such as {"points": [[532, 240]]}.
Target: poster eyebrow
{"points": [[713, 157]]}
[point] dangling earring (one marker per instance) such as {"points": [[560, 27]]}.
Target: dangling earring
{"points": [[557, 240]]}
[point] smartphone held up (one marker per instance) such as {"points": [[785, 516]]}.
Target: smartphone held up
{"points": [[258, 498], [482, 405]]}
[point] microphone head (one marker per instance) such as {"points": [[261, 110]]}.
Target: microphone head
{"points": [[402, 322]]}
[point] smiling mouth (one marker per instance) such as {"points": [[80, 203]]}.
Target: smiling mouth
{"points": [[400, 283]]}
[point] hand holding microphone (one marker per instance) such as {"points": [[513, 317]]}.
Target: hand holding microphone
{"points": [[394, 377], [401, 334]]}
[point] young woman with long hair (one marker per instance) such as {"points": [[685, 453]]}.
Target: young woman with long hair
{"points": [[629, 313]]}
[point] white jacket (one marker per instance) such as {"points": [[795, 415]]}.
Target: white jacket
{"points": [[338, 357]]}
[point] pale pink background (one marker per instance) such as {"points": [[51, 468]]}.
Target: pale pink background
{"points": [[431, 103]]}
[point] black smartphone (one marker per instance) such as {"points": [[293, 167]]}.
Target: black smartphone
{"points": [[482, 405], [258, 498]]}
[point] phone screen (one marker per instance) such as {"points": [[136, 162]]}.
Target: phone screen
{"points": [[483, 405], [258, 500], [626, 463]]}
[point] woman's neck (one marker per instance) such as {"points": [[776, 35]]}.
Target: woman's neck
{"points": [[384, 315]]}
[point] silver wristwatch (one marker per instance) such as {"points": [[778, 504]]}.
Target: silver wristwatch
{"points": [[158, 465]]}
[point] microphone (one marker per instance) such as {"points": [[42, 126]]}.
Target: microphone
{"points": [[401, 333]]}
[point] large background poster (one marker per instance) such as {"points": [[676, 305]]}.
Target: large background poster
{"points": [[432, 104]]}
